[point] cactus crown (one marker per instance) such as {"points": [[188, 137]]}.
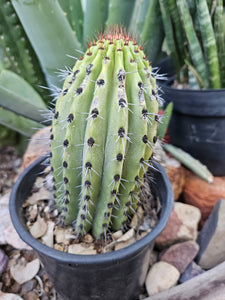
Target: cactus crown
{"points": [[103, 133]]}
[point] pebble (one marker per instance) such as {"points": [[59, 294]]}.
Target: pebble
{"points": [[116, 235], [161, 276], [123, 244], [61, 233], [80, 249], [3, 261], [182, 225], [212, 238], [191, 271], [202, 194], [32, 295], [15, 288], [39, 228], [10, 296], [28, 286], [24, 271], [180, 255], [47, 239], [127, 236], [88, 239]]}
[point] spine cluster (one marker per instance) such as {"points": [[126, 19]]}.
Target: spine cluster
{"points": [[103, 134]]}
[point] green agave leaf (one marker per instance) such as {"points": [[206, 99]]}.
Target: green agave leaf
{"points": [[74, 13], [17, 52], [187, 160], [162, 127], [120, 12], [94, 18], [17, 123], [152, 34], [18, 96], [170, 35], [50, 34], [138, 17]]}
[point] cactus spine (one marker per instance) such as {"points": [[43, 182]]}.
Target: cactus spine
{"points": [[103, 134]]}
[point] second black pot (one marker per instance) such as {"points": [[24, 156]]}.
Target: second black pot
{"points": [[109, 276], [198, 123]]}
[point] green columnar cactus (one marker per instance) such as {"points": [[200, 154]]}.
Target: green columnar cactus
{"points": [[103, 133]]}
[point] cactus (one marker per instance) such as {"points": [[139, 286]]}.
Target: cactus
{"points": [[103, 133]]}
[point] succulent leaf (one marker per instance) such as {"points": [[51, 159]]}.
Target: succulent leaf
{"points": [[50, 33]]}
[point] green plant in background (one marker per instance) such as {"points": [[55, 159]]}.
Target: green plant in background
{"points": [[194, 32], [185, 158], [38, 38], [103, 134]]}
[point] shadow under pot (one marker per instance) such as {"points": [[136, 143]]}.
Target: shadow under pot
{"points": [[198, 123], [109, 276]]}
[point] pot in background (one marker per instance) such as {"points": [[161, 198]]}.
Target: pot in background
{"points": [[198, 121], [108, 276]]}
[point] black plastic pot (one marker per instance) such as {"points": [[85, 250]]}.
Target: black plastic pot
{"points": [[198, 122], [109, 276]]}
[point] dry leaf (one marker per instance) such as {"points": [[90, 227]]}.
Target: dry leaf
{"points": [[23, 271]]}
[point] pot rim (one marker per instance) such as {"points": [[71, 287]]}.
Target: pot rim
{"points": [[167, 83], [79, 258]]}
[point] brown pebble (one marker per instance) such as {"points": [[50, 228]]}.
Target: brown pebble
{"points": [[15, 288], [32, 295], [6, 279], [28, 286]]}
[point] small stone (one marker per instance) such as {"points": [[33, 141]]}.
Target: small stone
{"points": [[6, 279], [58, 247], [182, 225], [3, 261], [116, 235], [9, 296], [202, 194], [161, 276], [62, 235], [180, 255], [15, 288], [143, 234], [32, 295], [28, 286], [212, 238], [134, 222], [47, 239], [191, 271], [121, 245], [80, 249], [42, 194], [33, 212], [127, 236], [39, 228], [23, 271], [88, 239]]}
